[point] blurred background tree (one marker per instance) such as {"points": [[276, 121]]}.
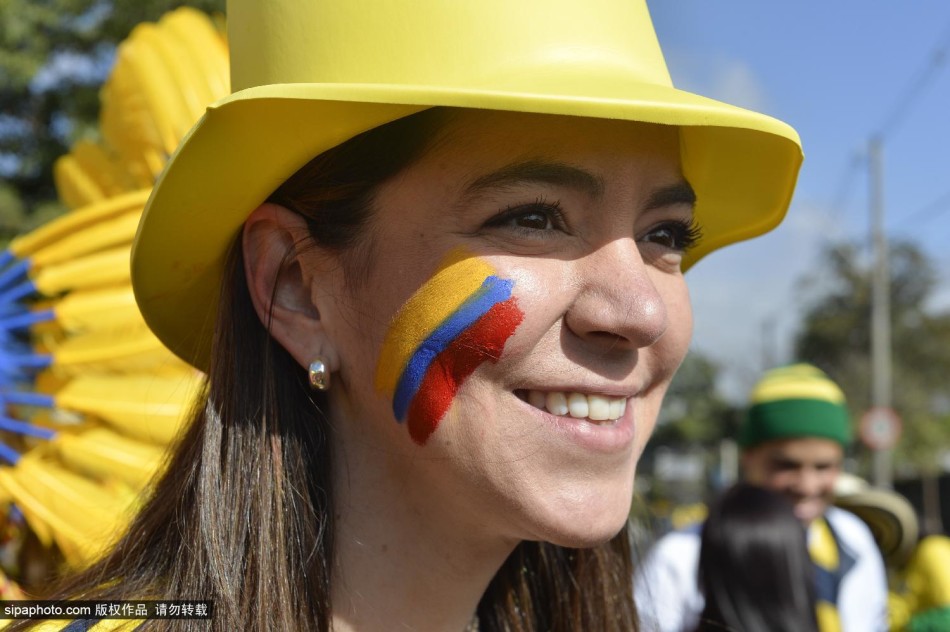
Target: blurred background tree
{"points": [[697, 422], [694, 413], [835, 335], [54, 55]]}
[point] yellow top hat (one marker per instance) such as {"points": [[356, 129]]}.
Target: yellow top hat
{"points": [[308, 75]]}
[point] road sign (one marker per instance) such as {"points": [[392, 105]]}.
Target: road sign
{"points": [[880, 428]]}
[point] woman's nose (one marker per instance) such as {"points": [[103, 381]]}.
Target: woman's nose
{"points": [[617, 302]]}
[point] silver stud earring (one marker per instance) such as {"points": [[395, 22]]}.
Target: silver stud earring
{"points": [[319, 375]]}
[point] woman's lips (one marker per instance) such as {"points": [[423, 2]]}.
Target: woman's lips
{"points": [[576, 415], [598, 409]]}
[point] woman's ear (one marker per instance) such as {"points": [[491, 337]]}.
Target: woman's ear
{"points": [[280, 283]]}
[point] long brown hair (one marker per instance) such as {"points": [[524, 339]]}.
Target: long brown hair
{"points": [[244, 514]]}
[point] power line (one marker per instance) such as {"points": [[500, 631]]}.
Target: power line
{"points": [[924, 76], [929, 211], [897, 113]]}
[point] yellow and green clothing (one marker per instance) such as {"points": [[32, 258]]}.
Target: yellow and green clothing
{"points": [[920, 598], [832, 563]]}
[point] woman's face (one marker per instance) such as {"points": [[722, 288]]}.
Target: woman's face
{"points": [[562, 238]]}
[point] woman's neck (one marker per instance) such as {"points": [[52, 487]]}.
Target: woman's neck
{"points": [[399, 565]]}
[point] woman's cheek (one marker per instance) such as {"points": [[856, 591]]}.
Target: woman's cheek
{"points": [[666, 354], [681, 323], [457, 320]]}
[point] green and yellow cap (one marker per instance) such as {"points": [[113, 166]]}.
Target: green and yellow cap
{"points": [[796, 401]]}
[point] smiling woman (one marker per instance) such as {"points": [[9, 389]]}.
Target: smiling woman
{"points": [[437, 286]]}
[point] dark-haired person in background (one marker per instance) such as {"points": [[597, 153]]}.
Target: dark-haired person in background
{"points": [[793, 441], [754, 567]]}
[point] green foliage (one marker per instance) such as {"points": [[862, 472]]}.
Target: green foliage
{"points": [[12, 214], [126, 14], [54, 55], [836, 335]]}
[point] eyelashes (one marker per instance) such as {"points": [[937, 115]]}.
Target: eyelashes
{"points": [[535, 217], [542, 219], [676, 235]]}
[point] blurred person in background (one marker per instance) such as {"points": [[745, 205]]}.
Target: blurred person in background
{"points": [[793, 440], [755, 571], [917, 561]]}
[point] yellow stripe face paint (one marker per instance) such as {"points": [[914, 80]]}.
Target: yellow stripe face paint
{"points": [[459, 275], [458, 320]]}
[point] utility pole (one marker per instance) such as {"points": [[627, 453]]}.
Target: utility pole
{"points": [[880, 309], [769, 352]]}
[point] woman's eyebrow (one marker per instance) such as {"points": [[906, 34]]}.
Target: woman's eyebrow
{"points": [[538, 171], [679, 193]]}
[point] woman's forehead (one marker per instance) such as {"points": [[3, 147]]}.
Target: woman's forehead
{"points": [[485, 142]]}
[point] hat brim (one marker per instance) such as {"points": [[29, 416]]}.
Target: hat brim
{"points": [[891, 519], [743, 166]]}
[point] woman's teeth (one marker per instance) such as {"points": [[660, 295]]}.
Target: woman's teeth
{"points": [[578, 405]]}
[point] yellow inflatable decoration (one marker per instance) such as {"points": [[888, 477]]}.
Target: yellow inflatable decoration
{"points": [[92, 399]]}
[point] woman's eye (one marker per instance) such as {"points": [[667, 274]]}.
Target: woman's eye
{"points": [[534, 220], [538, 216], [679, 236]]}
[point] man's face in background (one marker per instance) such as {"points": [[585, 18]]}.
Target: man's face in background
{"points": [[805, 470]]}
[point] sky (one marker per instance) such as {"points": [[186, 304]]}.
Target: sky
{"points": [[838, 71]]}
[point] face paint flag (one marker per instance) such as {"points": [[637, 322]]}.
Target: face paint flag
{"points": [[459, 319]]}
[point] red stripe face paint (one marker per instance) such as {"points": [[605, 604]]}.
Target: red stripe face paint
{"points": [[484, 341]]}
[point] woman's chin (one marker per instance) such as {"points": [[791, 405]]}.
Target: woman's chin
{"points": [[587, 538], [584, 528]]}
